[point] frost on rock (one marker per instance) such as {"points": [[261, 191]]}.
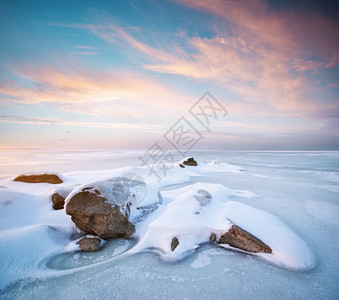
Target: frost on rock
{"points": [[109, 208], [91, 213]]}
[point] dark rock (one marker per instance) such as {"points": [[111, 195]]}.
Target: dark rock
{"points": [[241, 239], [213, 237], [39, 178], [58, 201], [174, 244], [59, 195], [91, 213], [89, 244], [182, 166], [190, 162]]}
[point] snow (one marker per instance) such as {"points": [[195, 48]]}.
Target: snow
{"points": [[292, 207], [191, 223]]}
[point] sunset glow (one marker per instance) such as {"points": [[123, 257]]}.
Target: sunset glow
{"points": [[119, 74]]}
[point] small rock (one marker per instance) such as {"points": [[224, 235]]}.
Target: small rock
{"points": [[59, 195], [174, 244], [241, 239], [58, 201], [213, 237], [39, 178], [89, 244], [190, 162], [182, 166]]}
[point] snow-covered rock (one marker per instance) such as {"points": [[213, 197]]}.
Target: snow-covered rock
{"points": [[182, 217], [105, 215]]}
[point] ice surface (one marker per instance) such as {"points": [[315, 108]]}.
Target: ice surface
{"points": [[326, 212], [296, 192]]}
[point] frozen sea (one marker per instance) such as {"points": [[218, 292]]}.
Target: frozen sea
{"points": [[300, 188]]}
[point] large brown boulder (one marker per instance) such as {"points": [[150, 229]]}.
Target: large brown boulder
{"points": [[39, 178], [241, 239], [93, 213]]}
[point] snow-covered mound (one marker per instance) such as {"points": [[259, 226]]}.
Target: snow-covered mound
{"points": [[182, 216], [30, 230]]}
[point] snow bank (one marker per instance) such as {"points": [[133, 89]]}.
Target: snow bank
{"points": [[22, 250], [182, 216], [30, 230]]}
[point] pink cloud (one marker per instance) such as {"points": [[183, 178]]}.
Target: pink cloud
{"points": [[269, 58], [145, 127], [93, 91]]}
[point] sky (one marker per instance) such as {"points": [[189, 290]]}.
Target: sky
{"points": [[81, 75]]}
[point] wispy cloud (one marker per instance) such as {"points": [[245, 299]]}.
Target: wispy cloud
{"points": [[85, 52], [282, 60], [92, 91], [58, 122], [85, 47]]}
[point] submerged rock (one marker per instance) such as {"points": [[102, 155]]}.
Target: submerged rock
{"points": [[241, 239], [39, 178], [203, 198], [174, 244], [93, 213], [89, 244], [190, 162]]}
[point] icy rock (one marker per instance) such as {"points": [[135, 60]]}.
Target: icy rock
{"points": [[190, 162], [39, 178], [96, 214], [241, 239], [203, 198], [205, 194], [89, 244]]}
